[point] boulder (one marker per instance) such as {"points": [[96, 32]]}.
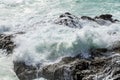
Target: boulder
{"points": [[6, 43], [69, 20], [104, 19], [107, 17], [25, 72]]}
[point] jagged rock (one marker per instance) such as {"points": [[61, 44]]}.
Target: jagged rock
{"points": [[106, 17], [68, 19], [76, 70], [70, 68], [80, 69], [72, 21], [25, 72], [102, 19], [6, 43]]}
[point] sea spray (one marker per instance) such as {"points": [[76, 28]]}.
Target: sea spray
{"points": [[44, 41], [53, 41]]}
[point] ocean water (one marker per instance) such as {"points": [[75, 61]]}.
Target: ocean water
{"points": [[45, 41]]}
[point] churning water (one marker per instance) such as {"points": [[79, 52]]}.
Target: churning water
{"points": [[45, 41]]}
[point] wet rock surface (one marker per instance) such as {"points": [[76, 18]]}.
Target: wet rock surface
{"points": [[6, 43], [107, 17], [68, 19], [25, 72], [73, 21], [71, 68], [82, 69]]}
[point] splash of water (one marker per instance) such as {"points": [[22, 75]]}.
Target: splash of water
{"points": [[45, 41]]}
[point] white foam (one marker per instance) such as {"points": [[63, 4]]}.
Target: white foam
{"points": [[6, 67], [40, 79], [49, 41]]}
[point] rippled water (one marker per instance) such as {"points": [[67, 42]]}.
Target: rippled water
{"points": [[43, 40]]}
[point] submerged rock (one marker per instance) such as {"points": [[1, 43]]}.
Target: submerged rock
{"points": [[6, 43]]}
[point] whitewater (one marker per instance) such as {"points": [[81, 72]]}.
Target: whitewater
{"points": [[44, 41]]}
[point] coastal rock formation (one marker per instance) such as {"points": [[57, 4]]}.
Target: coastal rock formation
{"points": [[72, 68], [6, 43], [68, 19], [107, 17], [72, 21]]}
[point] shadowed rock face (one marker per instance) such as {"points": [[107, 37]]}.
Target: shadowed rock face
{"points": [[6, 43]]}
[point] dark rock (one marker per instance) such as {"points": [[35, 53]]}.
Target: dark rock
{"points": [[6, 43], [87, 18], [68, 13], [79, 69], [70, 68], [63, 70], [72, 21], [102, 19], [107, 17], [25, 72], [61, 16], [100, 52], [69, 20], [104, 52]]}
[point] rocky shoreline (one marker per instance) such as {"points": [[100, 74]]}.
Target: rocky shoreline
{"points": [[73, 68], [81, 69], [102, 64], [73, 21]]}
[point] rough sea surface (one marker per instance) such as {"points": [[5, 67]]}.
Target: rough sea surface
{"points": [[47, 42]]}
